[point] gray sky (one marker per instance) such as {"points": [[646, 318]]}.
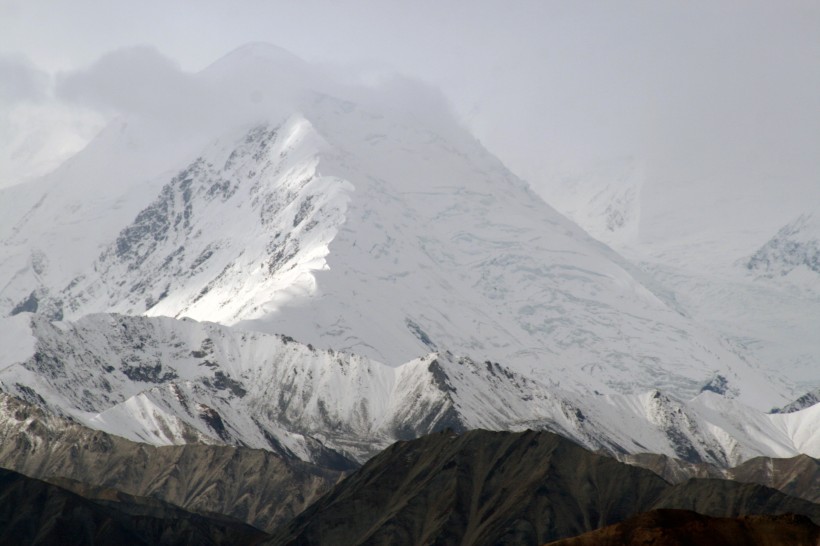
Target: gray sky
{"points": [[707, 93]]}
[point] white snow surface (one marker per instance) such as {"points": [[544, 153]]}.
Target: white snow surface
{"points": [[168, 381]]}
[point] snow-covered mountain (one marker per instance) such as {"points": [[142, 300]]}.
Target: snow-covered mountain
{"points": [[359, 227], [426, 285], [166, 381], [55, 227]]}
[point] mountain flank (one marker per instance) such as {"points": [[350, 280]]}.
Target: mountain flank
{"points": [[35, 512], [507, 488], [796, 476]]}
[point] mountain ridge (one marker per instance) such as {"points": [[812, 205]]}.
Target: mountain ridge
{"points": [[166, 381]]}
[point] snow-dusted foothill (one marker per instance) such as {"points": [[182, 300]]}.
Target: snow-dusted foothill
{"points": [[167, 381]]}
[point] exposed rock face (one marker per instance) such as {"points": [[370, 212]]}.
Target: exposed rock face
{"points": [[806, 401], [798, 476], [255, 486], [796, 245], [35, 512], [682, 527], [506, 488]]}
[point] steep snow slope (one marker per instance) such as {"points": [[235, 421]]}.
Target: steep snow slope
{"points": [[53, 228], [166, 381], [226, 235]]}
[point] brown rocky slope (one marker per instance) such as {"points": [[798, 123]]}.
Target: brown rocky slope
{"points": [[796, 476], [685, 528]]}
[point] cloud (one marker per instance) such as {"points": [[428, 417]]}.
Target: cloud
{"points": [[252, 84], [711, 93], [21, 81], [248, 85], [136, 80], [37, 131], [160, 101]]}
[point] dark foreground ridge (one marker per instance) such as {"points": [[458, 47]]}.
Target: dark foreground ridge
{"points": [[498, 488], [683, 528], [36, 512]]}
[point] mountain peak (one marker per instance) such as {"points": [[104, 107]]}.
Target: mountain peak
{"points": [[256, 52], [362, 232], [793, 252]]}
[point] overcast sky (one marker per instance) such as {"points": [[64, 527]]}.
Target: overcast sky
{"points": [[705, 93]]}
